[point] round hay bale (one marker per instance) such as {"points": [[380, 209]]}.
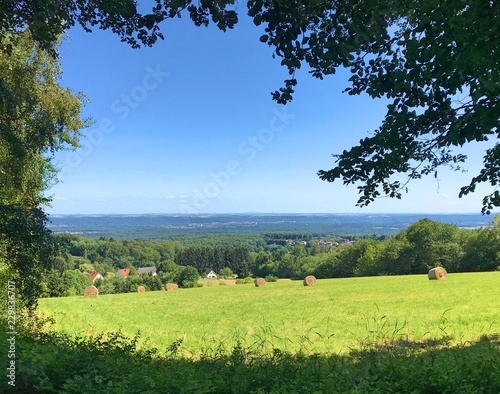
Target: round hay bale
{"points": [[171, 286], [141, 289], [438, 273], [259, 282], [310, 280], [91, 292]]}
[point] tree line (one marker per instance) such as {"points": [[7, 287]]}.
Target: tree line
{"points": [[422, 246]]}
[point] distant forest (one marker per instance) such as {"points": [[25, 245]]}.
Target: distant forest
{"points": [[184, 227], [422, 246]]}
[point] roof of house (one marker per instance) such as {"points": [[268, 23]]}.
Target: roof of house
{"points": [[146, 270], [208, 271], [123, 272], [94, 274]]}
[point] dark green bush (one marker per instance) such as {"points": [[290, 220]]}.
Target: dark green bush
{"points": [[188, 277]]}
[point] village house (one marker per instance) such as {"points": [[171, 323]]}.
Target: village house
{"points": [[125, 272], [322, 242], [146, 270], [210, 274], [95, 275], [295, 242]]}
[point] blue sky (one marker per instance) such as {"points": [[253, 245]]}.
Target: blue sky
{"points": [[189, 126]]}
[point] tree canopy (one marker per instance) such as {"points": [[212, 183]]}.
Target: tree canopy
{"points": [[47, 20], [436, 62], [37, 118]]}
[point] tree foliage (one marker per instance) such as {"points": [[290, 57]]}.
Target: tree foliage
{"points": [[188, 277], [48, 20], [37, 118], [431, 244], [203, 258], [436, 62]]}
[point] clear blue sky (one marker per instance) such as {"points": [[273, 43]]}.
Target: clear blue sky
{"points": [[189, 126]]}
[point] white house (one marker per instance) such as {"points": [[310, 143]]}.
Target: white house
{"points": [[96, 275], [210, 274]]}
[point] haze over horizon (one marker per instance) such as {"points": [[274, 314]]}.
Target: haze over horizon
{"points": [[270, 214], [189, 126]]}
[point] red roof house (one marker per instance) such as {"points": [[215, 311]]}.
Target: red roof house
{"points": [[125, 272], [95, 275]]}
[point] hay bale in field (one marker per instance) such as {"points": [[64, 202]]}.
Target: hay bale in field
{"points": [[171, 286], [91, 292], [437, 273], [141, 289], [310, 280], [259, 282]]}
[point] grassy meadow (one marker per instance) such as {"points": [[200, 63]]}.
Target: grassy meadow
{"points": [[333, 317]]}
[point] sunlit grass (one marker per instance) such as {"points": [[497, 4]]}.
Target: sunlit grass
{"points": [[333, 316]]}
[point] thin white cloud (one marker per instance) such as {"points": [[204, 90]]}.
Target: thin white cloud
{"points": [[169, 197], [60, 198]]}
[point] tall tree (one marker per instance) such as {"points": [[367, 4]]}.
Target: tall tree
{"points": [[37, 118], [430, 244]]}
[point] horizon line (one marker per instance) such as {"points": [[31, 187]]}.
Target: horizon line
{"points": [[267, 213]]}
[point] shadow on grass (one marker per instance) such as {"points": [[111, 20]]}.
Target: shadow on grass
{"points": [[53, 363]]}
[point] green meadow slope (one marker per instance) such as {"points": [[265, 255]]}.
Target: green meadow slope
{"points": [[334, 316]]}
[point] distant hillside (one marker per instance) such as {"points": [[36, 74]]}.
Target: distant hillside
{"points": [[151, 226]]}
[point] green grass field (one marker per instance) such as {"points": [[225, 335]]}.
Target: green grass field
{"points": [[334, 316]]}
